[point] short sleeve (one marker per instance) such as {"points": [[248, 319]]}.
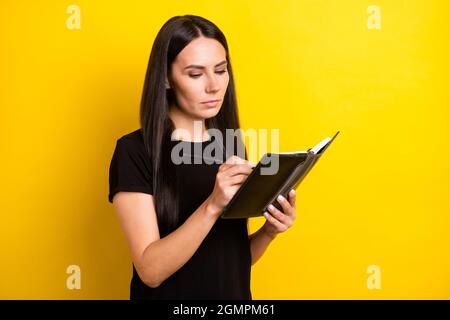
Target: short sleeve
{"points": [[130, 168]]}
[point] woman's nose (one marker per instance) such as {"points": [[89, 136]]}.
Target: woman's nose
{"points": [[212, 84]]}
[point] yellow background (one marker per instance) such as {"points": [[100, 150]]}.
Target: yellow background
{"points": [[380, 196]]}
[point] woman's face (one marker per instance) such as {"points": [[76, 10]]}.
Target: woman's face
{"points": [[199, 74]]}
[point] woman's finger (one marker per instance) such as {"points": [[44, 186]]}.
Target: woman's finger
{"points": [[226, 166], [287, 208], [237, 169], [277, 224], [237, 179], [280, 216], [292, 198], [235, 160]]}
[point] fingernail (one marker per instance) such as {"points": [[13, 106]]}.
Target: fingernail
{"points": [[280, 197], [250, 165], [265, 214], [292, 192], [271, 207]]}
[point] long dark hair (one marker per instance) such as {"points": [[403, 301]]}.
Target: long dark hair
{"points": [[156, 125]]}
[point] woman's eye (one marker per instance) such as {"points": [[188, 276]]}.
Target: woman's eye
{"points": [[198, 75]]}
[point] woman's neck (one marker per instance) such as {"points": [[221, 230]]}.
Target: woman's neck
{"points": [[188, 128]]}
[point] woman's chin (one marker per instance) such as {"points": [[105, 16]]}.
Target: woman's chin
{"points": [[210, 112]]}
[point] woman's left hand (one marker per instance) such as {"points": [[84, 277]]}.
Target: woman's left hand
{"points": [[277, 221]]}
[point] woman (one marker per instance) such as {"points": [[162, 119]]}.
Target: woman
{"points": [[170, 212]]}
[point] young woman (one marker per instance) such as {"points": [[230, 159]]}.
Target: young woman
{"points": [[170, 212]]}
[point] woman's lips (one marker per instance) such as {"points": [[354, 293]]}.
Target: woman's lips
{"points": [[212, 103]]}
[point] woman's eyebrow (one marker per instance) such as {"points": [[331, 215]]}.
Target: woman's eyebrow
{"points": [[196, 66]]}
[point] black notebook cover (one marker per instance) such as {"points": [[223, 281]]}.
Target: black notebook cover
{"points": [[275, 174]]}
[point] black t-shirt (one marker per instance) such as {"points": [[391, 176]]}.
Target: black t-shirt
{"points": [[221, 266]]}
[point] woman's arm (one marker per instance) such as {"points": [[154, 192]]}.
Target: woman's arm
{"points": [[156, 259], [276, 222], [259, 241]]}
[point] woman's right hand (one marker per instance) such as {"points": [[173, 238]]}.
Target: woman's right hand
{"points": [[229, 178]]}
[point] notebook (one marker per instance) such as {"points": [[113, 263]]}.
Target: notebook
{"points": [[275, 174]]}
